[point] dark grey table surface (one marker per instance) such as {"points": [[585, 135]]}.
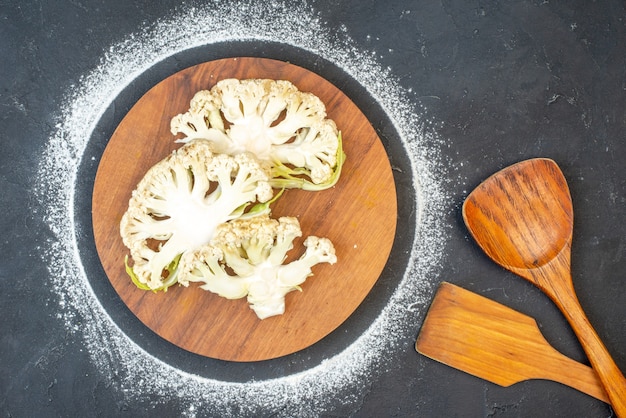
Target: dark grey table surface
{"points": [[456, 90]]}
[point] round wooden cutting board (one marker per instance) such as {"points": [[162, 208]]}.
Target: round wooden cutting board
{"points": [[358, 215]]}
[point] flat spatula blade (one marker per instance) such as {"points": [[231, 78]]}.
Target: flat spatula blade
{"points": [[489, 340]]}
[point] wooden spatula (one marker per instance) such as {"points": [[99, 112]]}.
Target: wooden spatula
{"points": [[486, 339]]}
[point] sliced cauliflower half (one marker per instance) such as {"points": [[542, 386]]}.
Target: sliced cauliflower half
{"points": [[275, 121], [246, 256], [179, 204]]}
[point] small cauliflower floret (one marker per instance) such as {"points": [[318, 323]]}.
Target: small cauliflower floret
{"points": [[246, 256], [204, 264], [276, 122], [315, 148], [318, 250], [179, 204], [203, 121]]}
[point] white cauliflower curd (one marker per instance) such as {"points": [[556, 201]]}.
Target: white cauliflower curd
{"points": [[272, 119], [202, 214], [180, 202]]}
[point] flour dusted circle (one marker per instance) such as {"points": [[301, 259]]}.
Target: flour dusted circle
{"points": [[142, 377]]}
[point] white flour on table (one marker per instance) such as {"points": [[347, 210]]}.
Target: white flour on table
{"points": [[139, 375]]}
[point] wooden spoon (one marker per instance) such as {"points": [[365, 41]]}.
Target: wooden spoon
{"points": [[522, 217], [486, 339]]}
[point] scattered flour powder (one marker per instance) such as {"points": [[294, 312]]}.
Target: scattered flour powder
{"points": [[140, 376]]}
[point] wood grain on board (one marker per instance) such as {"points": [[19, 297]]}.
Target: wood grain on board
{"points": [[358, 215]]}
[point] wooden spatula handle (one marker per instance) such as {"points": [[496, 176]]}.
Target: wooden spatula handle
{"points": [[578, 376]]}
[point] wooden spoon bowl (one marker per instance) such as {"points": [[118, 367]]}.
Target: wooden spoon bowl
{"points": [[522, 217]]}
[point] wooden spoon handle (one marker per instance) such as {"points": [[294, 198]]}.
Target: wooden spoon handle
{"points": [[599, 357]]}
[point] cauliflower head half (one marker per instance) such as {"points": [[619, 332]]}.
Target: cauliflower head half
{"points": [[272, 119], [245, 258], [180, 203]]}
